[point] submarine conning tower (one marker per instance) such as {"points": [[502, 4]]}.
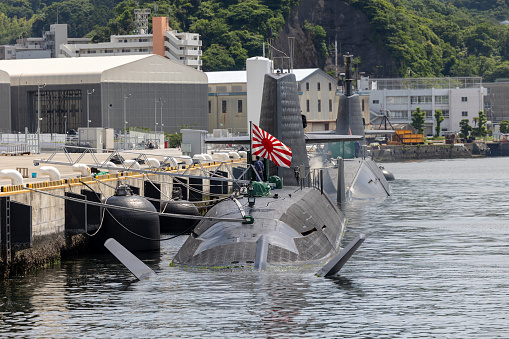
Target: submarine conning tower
{"points": [[281, 116], [349, 120]]}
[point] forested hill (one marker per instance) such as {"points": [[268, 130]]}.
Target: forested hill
{"points": [[387, 37]]}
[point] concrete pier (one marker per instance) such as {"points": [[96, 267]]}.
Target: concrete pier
{"points": [[395, 153], [37, 234]]}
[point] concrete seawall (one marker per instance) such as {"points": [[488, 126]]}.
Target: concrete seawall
{"points": [[39, 220], [395, 153]]}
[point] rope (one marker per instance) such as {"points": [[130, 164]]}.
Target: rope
{"points": [[92, 203], [215, 201], [157, 188], [123, 226]]}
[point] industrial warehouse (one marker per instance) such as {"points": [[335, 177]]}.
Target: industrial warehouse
{"points": [[143, 91]]}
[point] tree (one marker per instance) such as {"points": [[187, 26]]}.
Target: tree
{"points": [[480, 129], [217, 58], [418, 119], [439, 118], [504, 126], [465, 128]]}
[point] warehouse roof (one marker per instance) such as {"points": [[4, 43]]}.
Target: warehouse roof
{"points": [[127, 68]]}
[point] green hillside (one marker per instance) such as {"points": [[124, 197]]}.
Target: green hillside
{"points": [[424, 37]]}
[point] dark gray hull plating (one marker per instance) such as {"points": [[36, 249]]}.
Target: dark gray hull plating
{"points": [[301, 226]]}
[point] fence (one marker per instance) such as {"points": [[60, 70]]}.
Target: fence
{"points": [[11, 143]]}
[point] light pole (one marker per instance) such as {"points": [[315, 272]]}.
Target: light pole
{"points": [[109, 106], [155, 119], [88, 107], [125, 121], [162, 101], [65, 125], [39, 117]]}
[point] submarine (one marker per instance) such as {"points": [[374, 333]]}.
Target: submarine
{"points": [[296, 225], [362, 178]]}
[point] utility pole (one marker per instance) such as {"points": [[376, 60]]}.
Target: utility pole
{"points": [[39, 117], [88, 107], [155, 119], [125, 121]]}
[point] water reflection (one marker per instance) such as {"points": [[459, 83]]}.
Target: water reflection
{"points": [[434, 264]]}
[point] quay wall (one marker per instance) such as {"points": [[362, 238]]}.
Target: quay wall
{"points": [[49, 237], [397, 153]]}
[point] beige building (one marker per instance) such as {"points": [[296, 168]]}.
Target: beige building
{"points": [[227, 99]]}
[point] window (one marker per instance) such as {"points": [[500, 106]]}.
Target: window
{"points": [[421, 99], [362, 103], [376, 102], [223, 105], [319, 105], [442, 99], [307, 87], [210, 106], [330, 86], [399, 114], [464, 114], [445, 113], [307, 105], [397, 100], [239, 106], [330, 105], [318, 86], [326, 126], [464, 99]]}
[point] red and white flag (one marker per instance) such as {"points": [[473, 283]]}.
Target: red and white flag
{"points": [[267, 146]]}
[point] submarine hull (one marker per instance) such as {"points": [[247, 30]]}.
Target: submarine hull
{"points": [[300, 226], [363, 180]]}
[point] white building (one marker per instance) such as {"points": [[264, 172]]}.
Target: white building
{"points": [[43, 47], [457, 98], [135, 44]]}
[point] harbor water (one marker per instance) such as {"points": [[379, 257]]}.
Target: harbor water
{"points": [[435, 264]]}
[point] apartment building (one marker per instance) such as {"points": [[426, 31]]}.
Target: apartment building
{"points": [[182, 47]]}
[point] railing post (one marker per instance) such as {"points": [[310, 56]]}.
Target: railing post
{"points": [[321, 181], [341, 195]]}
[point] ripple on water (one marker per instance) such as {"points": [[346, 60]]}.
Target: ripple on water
{"points": [[434, 265]]}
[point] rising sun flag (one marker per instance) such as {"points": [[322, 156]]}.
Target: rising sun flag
{"points": [[267, 146]]}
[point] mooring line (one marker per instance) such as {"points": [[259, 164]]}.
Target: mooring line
{"points": [[93, 203]]}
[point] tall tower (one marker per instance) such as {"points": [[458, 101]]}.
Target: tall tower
{"points": [[141, 20]]}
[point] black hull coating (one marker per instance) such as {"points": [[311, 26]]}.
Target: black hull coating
{"points": [[305, 228], [174, 225], [142, 224]]}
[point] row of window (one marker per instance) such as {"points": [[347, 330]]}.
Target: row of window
{"points": [[405, 114], [106, 51], [318, 86], [240, 110], [319, 105], [419, 99], [132, 40], [224, 106]]}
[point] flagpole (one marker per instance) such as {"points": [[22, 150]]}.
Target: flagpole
{"points": [[250, 160], [251, 138]]}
